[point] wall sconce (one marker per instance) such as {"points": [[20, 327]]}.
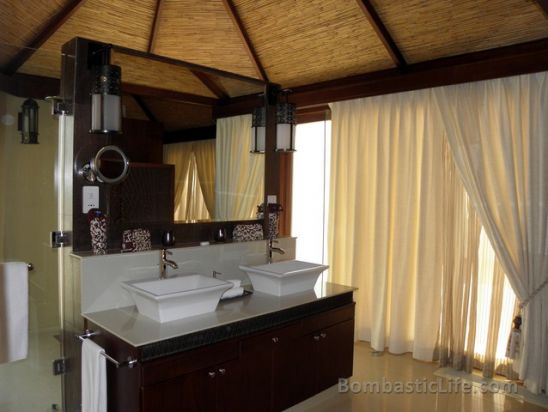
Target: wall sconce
{"points": [[28, 122], [285, 125], [106, 110], [259, 130]]}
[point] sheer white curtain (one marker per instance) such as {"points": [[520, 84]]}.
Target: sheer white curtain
{"points": [[239, 177], [498, 132], [385, 218], [204, 153], [189, 200]]}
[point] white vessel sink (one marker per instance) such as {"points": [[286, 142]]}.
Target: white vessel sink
{"points": [[284, 278], [178, 297]]}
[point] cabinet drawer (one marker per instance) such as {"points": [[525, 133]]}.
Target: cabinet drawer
{"points": [[184, 363], [279, 335], [329, 318]]}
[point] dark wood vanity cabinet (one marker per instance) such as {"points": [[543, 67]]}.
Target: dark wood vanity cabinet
{"points": [[266, 371], [205, 379]]}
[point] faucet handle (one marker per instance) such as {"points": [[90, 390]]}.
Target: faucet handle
{"points": [[168, 252]]}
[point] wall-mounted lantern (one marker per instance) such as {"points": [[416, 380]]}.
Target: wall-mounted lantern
{"points": [[259, 130], [106, 104], [28, 122], [285, 125]]}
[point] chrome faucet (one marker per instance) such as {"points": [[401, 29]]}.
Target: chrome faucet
{"points": [[272, 248], [165, 262]]}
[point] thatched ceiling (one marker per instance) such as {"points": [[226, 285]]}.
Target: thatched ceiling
{"points": [[295, 42], [289, 42]]}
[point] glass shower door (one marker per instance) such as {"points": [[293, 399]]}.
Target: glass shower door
{"points": [[30, 181]]}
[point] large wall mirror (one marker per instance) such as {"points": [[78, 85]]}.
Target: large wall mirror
{"points": [[217, 177], [187, 131]]}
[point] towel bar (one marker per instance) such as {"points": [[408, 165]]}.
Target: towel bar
{"points": [[130, 362]]}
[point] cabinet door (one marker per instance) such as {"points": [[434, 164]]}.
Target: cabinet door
{"points": [[336, 354], [191, 392], [287, 372], [228, 385], [256, 369], [309, 356]]}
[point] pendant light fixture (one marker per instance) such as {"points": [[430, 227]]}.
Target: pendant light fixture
{"points": [[28, 122], [285, 125], [258, 130]]}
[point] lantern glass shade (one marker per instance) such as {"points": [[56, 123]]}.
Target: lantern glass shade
{"points": [[106, 105], [28, 122], [285, 127], [259, 130]]}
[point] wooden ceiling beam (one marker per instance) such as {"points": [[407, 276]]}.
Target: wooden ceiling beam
{"points": [[382, 32], [155, 26], [27, 85], [143, 106], [543, 4], [140, 90], [51, 27], [190, 135], [232, 12], [211, 84], [484, 65]]}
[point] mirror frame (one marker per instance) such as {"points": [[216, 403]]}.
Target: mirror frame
{"points": [[92, 172]]}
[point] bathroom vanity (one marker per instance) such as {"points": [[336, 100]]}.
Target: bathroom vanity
{"points": [[254, 353]]}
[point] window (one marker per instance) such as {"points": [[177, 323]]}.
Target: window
{"points": [[311, 191]]}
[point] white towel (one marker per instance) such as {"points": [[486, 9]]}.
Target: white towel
{"points": [[236, 283], [14, 311], [94, 378], [233, 292]]}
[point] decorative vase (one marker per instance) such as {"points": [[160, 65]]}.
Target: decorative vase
{"points": [[98, 231]]}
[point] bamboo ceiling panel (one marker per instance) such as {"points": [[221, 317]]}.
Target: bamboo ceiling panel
{"points": [[177, 115], [142, 71], [121, 22], [201, 32], [22, 21], [426, 30], [307, 41]]}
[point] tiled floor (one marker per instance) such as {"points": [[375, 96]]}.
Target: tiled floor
{"points": [[402, 368], [29, 385]]}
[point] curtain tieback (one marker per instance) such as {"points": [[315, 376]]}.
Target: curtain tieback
{"points": [[535, 293]]}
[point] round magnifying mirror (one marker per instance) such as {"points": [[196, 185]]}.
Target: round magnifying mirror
{"points": [[110, 165]]}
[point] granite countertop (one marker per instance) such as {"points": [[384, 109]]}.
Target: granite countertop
{"points": [[138, 330]]}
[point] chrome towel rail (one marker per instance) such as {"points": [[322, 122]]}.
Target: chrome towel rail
{"points": [[130, 362]]}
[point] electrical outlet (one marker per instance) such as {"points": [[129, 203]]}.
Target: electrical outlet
{"points": [[270, 199], [90, 198]]}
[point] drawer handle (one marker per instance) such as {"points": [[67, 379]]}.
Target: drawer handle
{"points": [[222, 371], [316, 338], [211, 374], [275, 339], [323, 335]]}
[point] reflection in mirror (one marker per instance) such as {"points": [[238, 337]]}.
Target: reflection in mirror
{"points": [[218, 179]]}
